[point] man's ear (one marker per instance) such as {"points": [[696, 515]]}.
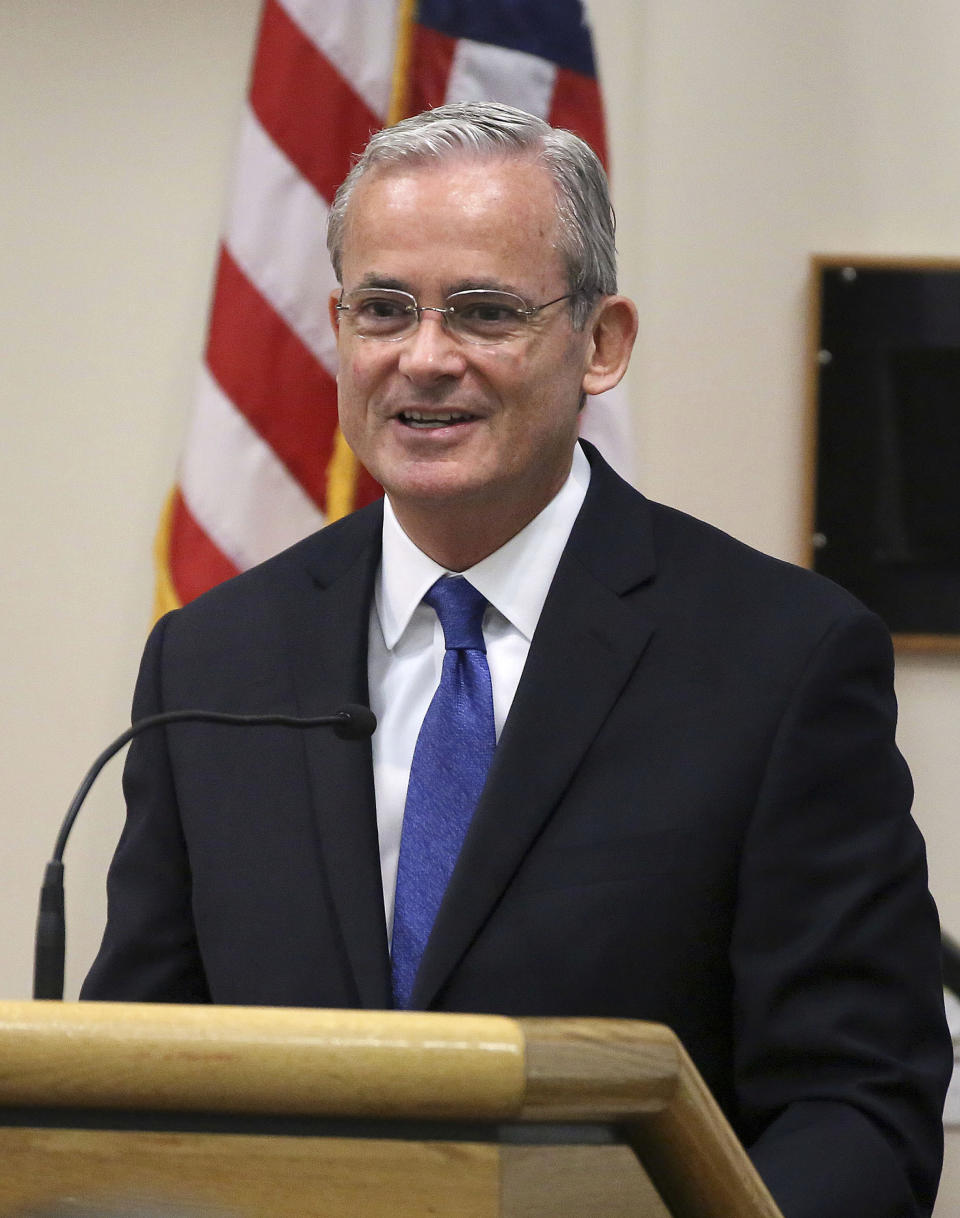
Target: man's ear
{"points": [[613, 331], [334, 315]]}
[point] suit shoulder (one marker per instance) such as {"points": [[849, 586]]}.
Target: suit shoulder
{"points": [[698, 580], [750, 593], [678, 534], [621, 530]]}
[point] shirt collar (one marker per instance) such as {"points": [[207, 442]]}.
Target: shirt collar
{"points": [[406, 573]]}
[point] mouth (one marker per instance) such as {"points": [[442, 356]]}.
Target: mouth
{"points": [[425, 420], [421, 420]]}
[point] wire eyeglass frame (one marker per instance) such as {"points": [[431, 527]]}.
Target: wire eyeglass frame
{"points": [[462, 313]]}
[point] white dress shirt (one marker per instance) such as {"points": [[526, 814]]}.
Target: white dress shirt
{"points": [[406, 647]]}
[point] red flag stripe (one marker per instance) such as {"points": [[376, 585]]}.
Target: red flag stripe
{"points": [[300, 98], [431, 59], [577, 105], [287, 397], [197, 563]]}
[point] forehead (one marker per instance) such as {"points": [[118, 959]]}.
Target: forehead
{"points": [[478, 212]]}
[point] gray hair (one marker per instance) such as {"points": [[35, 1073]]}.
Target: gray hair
{"points": [[487, 129]]}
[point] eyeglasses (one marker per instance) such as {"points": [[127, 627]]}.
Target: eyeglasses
{"points": [[476, 316]]}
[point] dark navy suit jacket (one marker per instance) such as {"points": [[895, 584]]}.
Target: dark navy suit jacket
{"points": [[696, 814]]}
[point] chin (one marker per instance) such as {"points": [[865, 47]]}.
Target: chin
{"points": [[437, 479], [434, 489]]}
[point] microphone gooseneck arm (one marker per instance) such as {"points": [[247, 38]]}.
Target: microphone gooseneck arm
{"points": [[350, 722]]}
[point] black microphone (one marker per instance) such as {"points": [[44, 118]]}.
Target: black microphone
{"points": [[350, 722]]}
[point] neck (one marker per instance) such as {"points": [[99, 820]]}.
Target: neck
{"points": [[456, 542], [459, 535]]}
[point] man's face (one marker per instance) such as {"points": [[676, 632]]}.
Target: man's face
{"points": [[436, 420]]}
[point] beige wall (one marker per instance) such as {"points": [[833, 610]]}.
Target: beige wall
{"points": [[744, 135]]}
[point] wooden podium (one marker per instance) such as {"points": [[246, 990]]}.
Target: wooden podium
{"points": [[266, 1113]]}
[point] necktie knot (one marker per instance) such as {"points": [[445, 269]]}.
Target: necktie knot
{"points": [[460, 608]]}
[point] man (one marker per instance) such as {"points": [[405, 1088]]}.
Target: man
{"points": [[695, 811]]}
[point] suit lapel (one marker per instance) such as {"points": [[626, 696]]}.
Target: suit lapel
{"points": [[328, 645], [588, 642]]}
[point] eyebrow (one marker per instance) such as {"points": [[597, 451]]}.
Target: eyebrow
{"points": [[373, 279]]}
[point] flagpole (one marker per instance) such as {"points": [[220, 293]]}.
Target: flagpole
{"points": [[406, 14]]}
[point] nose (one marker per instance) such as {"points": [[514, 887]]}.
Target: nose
{"points": [[431, 352]]}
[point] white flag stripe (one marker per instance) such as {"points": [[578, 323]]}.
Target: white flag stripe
{"points": [[480, 72], [276, 231], [239, 492], [359, 38]]}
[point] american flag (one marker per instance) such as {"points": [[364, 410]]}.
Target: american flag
{"points": [[264, 463]]}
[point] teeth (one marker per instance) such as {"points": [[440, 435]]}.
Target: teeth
{"points": [[433, 420]]}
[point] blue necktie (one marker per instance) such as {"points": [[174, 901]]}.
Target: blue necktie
{"points": [[449, 768]]}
